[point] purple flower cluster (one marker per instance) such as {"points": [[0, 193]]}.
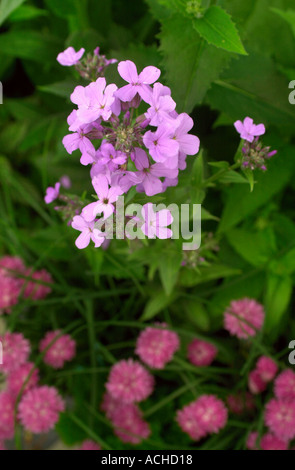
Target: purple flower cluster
{"points": [[146, 151]]}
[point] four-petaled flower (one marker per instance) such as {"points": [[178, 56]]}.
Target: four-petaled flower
{"points": [[88, 232], [70, 56], [155, 223], [106, 197], [248, 130], [138, 84]]}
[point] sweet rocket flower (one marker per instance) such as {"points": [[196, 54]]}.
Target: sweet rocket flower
{"points": [[69, 56], [243, 318], [162, 146], [94, 101], [39, 409], [211, 413], [271, 442], [129, 425], [18, 377], [62, 350], [89, 445], [201, 353], [267, 368], [106, 197], [107, 155], [138, 84], [11, 266], [88, 232], [16, 350], [280, 418], [284, 387], [52, 193], [155, 223], [35, 289], [149, 175], [65, 181], [161, 104], [79, 140], [129, 381], [7, 403], [10, 289], [248, 130], [255, 383], [156, 347], [240, 403], [188, 144]]}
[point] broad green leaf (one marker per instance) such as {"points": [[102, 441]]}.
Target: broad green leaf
{"points": [[217, 27], [63, 89], [277, 297], [288, 16], [190, 64], [197, 314], [7, 7], [190, 278], [233, 177], [169, 265], [27, 12], [156, 304], [256, 247]]}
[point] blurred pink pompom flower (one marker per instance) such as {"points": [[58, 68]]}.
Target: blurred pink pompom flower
{"points": [[244, 317], [62, 350], [156, 346]]}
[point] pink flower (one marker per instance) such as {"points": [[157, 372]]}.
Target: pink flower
{"points": [[7, 415], [240, 403], [206, 415], [138, 84], [201, 353], [16, 350], [11, 266], [35, 289], [39, 409], [88, 232], [248, 130], [162, 146], [155, 223], [52, 193], [89, 445], [19, 376], [280, 418], [267, 368], [156, 347], [61, 351], [94, 101], [129, 425], [188, 144], [69, 56], [10, 289], [65, 181], [244, 317], [284, 387], [161, 104], [251, 443], [106, 198], [109, 405], [129, 381], [255, 383], [271, 442]]}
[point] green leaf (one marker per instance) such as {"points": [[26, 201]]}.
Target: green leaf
{"points": [[257, 248], [190, 64], [190, 278], [233, 177], [169, 265], [27, 12], [218, 29], [277, 298], [156, 304], [288, 16], [63, 88], [197, 193], [7, 7]]}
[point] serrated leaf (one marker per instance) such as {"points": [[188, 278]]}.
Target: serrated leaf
{"points": [[219, 30], [7, 7], [190, 64]]}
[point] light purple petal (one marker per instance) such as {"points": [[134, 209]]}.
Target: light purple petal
{"points": [[149, 75], [128, 71], [83, 240]]}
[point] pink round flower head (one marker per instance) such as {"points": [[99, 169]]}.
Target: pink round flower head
{"points": [[129, 381], [240, 403], [280, 418], [10, 289], [61, 351], [271, 442], [16, 350], [255, 383], [211, 413], [7, 415], [89, 445], [267, 368], [189, 423], [129, 425], [38, 290], [201, 353], [18, 377], [11, 266], [251, 443], [156, 347], [39, 409], [243, 318], [109, 405], [285, 385]]}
